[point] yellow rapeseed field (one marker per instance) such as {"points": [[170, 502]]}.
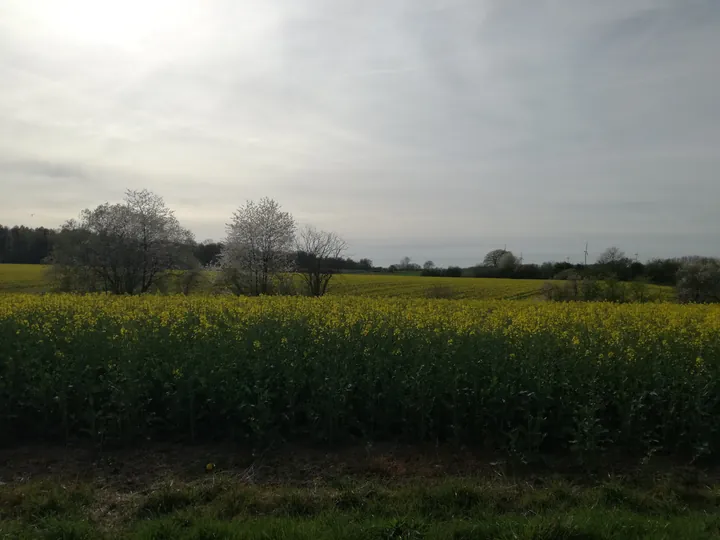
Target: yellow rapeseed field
{"points": [[525, 376]]}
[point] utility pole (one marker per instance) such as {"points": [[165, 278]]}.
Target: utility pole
{"points": [[586, 253]]}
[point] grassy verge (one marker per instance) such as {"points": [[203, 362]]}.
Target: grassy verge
{"points": [[373, 494]]}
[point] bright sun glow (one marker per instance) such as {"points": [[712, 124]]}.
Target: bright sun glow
{"points": [[125, 24]]}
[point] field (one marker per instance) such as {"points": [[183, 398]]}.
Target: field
{"points": [[33, 279], [420, 287], [22, 278], [520, 377], [372, 413]]}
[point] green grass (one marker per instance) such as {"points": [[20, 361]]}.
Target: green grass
{"points": [[233, 506], [24, 278], [400, 286]]}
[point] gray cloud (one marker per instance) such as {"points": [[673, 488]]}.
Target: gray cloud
{"points": [[434, 129]]}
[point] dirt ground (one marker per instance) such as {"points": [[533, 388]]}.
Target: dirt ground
{"points": [[302, 465]]}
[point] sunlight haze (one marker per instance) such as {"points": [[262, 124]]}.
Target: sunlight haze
{"points": [[436, 129]]}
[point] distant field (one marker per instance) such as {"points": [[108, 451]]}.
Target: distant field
{"points": [[26, 278], [30, 278], [421, 287]]}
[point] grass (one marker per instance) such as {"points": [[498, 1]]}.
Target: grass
{"points": [[341, 496], [397, 286], [24, 278]]}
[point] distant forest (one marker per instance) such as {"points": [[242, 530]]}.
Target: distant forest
{"points": [[26, 245]]}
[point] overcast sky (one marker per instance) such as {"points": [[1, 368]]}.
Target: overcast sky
{"points": [[437, 129]]}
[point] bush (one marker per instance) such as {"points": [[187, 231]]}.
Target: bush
{"points": [[452, 271], [594, 290], [699, 282], [662, 271], [568, 273]]}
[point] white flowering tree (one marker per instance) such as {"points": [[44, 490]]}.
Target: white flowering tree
{"points": [[259, 247]]}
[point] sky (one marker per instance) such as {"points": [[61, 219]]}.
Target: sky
{"points": [[435, 129]]}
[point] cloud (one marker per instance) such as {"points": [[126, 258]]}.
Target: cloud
{"points": [[446, 127], [41, 169]]}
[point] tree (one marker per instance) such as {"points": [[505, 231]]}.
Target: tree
{"points": [[492, 259], [319, 255], [699, 281], [429, 265], [611, 255], [208, 252], [453, 271], [507, 262], [122, 248], [406, 265], [24, 245], [662, 271], [258, 248], [365, 264]]}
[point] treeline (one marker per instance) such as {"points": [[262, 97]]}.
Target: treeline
{"points": [[338, 264], [612, 264], [24, 245], [27, 245]]}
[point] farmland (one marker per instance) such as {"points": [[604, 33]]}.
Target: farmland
{"points": [[33, 279], [22, 278], [382, 410], [515, 376], [382, 286]]}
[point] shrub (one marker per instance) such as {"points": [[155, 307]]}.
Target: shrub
{"points": [[699, 282]]}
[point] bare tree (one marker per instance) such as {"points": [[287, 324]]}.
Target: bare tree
{"points": [[319, 253], [122, 248], [406, 264], [611, 255], [492, 259], [258, 248], [429, 265]]}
